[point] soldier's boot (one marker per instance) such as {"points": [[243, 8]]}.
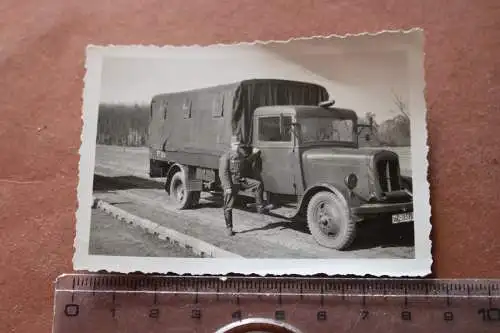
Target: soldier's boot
{"points": [[228, 216], [264, 209], [259, 202]]}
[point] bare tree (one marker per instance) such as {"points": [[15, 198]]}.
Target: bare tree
{"points": [[401, 106], [396, 131]]}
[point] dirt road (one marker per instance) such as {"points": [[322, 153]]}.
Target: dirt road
{"points": [[121, 179]]}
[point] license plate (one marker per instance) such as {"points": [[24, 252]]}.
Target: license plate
{"points": [[402, 218]]}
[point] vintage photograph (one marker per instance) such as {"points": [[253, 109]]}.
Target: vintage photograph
{"points": [[281, 157]]}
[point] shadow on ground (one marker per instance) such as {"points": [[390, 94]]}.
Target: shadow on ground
{"points": [[375, 234], [292, 224], [104, 184], [369, 235]]}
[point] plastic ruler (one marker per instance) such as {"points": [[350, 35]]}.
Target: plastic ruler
{"points": [[86, 303]]}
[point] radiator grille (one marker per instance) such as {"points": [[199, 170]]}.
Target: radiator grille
{"points": [[388, 175]]}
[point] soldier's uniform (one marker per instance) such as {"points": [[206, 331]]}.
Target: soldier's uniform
{"points": [[237, 172]]}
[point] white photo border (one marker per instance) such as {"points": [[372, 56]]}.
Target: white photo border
{"points": [[419, 266]]}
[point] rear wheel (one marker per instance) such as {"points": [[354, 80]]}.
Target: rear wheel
{"points": [[329, 221], [182, 198]]}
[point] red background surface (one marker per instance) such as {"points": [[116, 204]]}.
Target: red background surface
{"points": [[41, 69]]}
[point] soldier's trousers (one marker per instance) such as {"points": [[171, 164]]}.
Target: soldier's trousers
{"points": [[245, 184]]}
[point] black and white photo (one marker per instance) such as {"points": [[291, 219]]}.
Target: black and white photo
{"points": [[302, 156]]}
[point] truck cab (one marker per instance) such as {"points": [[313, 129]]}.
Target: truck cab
{"points": [[310, 155]]}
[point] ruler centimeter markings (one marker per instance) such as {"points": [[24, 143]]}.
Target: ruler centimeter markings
{"points": [[140, 303]]}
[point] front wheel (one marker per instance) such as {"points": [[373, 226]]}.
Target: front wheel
{"points": [[329, 221], [183, 198]]}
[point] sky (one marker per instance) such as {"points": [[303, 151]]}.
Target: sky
{"points": [[359, 74]]}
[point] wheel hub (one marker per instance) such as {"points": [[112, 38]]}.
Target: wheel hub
{"points": [[326, 219], [179, 191]]}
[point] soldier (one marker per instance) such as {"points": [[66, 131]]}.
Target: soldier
{"points": [[237, 172]]}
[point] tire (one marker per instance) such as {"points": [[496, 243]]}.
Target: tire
{"points": [[329, 221], [182, 198]]}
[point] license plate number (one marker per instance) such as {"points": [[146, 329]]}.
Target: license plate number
{"points": [[402, 218]]}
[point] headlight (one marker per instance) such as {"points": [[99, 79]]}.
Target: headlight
{"points": [[351, 181]]}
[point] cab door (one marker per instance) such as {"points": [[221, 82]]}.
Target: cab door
{"points": [[273, 136]]}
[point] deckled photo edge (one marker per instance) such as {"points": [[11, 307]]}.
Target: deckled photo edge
{"points": [[90, 101], [420, 152], [420, 266], [110, 49]]}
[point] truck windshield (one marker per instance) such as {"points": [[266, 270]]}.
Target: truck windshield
{"points": [[322, 129]]}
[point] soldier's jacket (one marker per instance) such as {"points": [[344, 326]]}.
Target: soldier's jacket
{"points": [[233, 167]]}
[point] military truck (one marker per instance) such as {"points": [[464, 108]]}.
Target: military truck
{"points": [[309, 152]]}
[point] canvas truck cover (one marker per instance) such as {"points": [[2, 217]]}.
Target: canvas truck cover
{"points": [[202, 121]]}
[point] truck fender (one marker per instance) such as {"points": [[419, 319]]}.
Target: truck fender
{"points": [[312, 190], [188, 174]]}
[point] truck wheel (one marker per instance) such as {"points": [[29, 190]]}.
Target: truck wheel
{"points": [[182, 197], [329, 221]]}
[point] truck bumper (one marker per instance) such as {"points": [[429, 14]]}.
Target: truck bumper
{"points": [[382, 208]]}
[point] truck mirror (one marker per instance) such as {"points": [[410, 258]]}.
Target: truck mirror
{"points": [[327, 104]]}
